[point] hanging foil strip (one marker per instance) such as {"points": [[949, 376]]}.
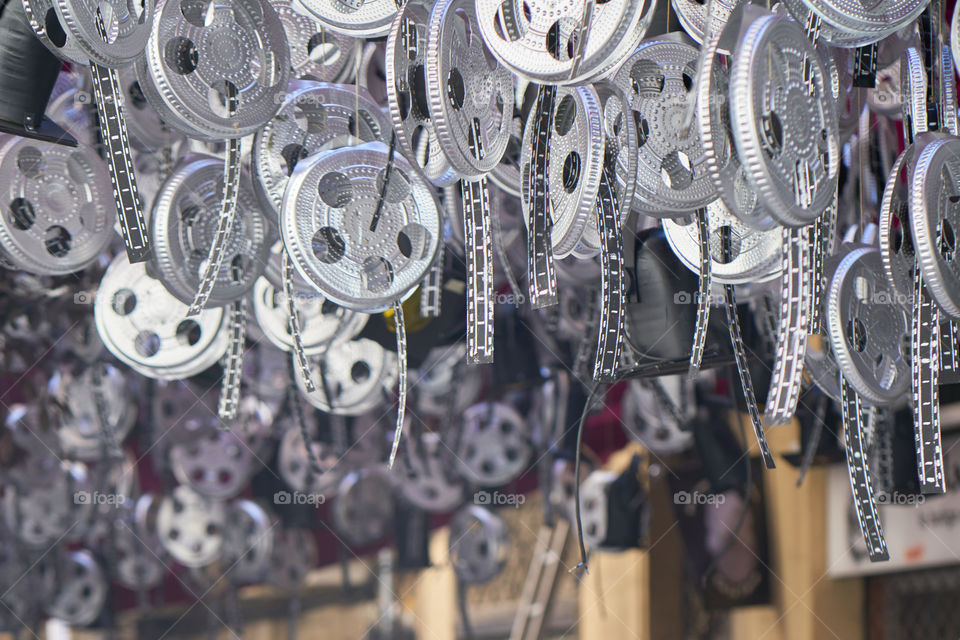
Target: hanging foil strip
{"points": [[880, 449], [430, 287], [293, 321], [401, 331], [821, 241], [504, 261], [813, 444], [740, 355], [295, 406], [107, 94], [233, 364], [228, 212], [865, 66], [925, 371], [108, 435], [949, 347], [543, 276], [584, 360], [791, 328], [477, 238], [611, 260], [812, 26], [703, 293], [860, 485]]}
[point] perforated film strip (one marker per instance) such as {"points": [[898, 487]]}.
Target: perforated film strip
{"points": [[703, 293], [611, 259], [295, 407], [293, 322], [791, 328], [228, 213], [740, 355], [401, 332], [233, 364], [949, 346], [543, 275], [479, 255], [108, 436], [584, 360], [860, 484], [821, 235], [431, 286], [126, 197], [925, 371]]}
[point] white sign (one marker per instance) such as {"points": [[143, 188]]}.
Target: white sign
{"points": [[921, 531]]}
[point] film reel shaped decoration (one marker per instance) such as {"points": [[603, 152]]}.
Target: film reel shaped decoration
{"points": [[721, 158], [82, 432], [573, 168], [217, 466], [80, 593], [217, 71], [426, 478], [850, 24], [784, 120], [470, 94], [360, 375], [316, 53], [144, 326], [479, 544], [361, 252], [754, 255], [660, 79], [321, 322], [247, 541], [493, 447], [295, 468], [868, 329], [363, 507], [58, 215], [935, 216], [365, 19], [314, 116], [407, 99], [186, 223], [548, 44], [105, 35], [190, 527]]}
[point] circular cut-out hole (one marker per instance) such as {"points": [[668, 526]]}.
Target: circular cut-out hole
{"points": [[124, 302], [292, 154], [676, 170], [455, 88], [147, 344], [54, 29], [335, 190], [565, 115], [22, 213], [417, 79], [413, 241], [30, 161], [360, 372], [322, 52], [189, 332], [856, 334], [377, 274], [771, 134], [571, 171], [947, 239], [180, 55], [57, 240], [328, 245]]}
